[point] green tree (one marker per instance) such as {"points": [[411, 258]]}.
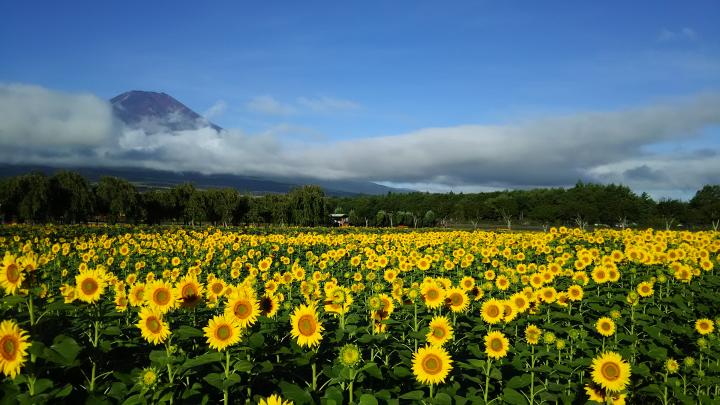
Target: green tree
{"points": [[71, 198], [308, 206], [117, 199]]}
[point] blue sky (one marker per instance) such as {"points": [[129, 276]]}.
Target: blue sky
{"points": [[332, 71]]}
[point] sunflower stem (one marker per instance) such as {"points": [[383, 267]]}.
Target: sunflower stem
{"points": [[532, 374], [31, 310], [665, 389], [431, 390], [314, 376], [226, 393], [487, 380]]}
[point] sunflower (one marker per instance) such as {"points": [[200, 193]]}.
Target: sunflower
{"points": [[135, 296], [11, 274], [595, 393], [575, 293], [148, 377], [152, 327], [520, 302], [492, 311], [349, 355], [433, 295], [13, 348], [268, 305], [189, 291], [244, 309], [605, 326], [704, 326], [160, 295], [216, 289], [274, 399], [440, 331], [456, 299], [510, 312], [532, 334], [222, 331], [431, 365], [467, 283], [645, 289], [610, 371], [672, 366], [89, 285], [305, 326], [496, 345]]}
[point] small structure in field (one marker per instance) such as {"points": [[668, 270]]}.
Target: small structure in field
{"points": [[340, 219]]}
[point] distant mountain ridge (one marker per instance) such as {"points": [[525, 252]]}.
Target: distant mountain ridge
{"points": [[156, 112]]}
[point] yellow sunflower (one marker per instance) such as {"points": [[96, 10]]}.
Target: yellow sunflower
{"points": [[456, 299], [305, 326], [605, 326], [11, 274], [13, 348], [89, 285], [222, 331], [532, 334], [433, 294], [216, 289], [431, 365], [704, 326], [135, 296], [575, 293], [189, 291], [611, 372], [244, 309], [152, 327], [160, 295], [645, 289], [520, 302], [496, 345], [440, 331], [492, 311], [274, 400]]}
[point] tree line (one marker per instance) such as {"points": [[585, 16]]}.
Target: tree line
{"points": [[67, 197]]}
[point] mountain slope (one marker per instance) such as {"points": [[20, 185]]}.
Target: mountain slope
{"points": [[156, 112]]}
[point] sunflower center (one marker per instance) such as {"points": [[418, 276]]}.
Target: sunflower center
{"points": [[610, 371], [456, 299], [496, 344], [432, 364], [223, 332], [439, 333], [12, 273], [8, 345], [153, 324], [161, 296], [433, 295], [217, 288], [242, 309], [89, 286], [306, 325], [189, 291], [605, 326], [493, 311]]}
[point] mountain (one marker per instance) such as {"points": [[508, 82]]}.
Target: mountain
{"points": [[146, 179], [156, 112]]}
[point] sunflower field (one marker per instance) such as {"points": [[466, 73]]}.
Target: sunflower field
{"points": [[136, 315]]}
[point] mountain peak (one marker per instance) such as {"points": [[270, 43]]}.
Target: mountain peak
{"points": [[156, 112]]}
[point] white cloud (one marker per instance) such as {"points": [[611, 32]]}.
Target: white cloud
{"points": [[270, 106], [32, 116], [555, 151], [685, 33], [216, 110], [327, 104]]}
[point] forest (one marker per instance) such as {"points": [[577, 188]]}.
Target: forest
{"points": [[67, 197]]}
